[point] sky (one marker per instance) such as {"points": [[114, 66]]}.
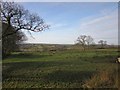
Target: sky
{"points": [[63, 0], [68, 20]]}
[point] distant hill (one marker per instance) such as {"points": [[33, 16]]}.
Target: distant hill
{"points": [[43, 47]]}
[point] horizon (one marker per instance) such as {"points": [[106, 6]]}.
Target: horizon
{"points": [[64, 44]]}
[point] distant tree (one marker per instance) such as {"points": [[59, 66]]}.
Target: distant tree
{"points": [[16, 18], [89, 40], [84, 40], [102, 43]]}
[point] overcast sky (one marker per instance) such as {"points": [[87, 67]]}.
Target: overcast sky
{"points": [[69, 20]]}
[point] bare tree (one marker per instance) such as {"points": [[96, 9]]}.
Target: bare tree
{"points": [[102, 43], [84, 40], [16, 16], [89, 40]]}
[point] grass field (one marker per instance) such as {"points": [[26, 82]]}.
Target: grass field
{"points": [[64, 69]]}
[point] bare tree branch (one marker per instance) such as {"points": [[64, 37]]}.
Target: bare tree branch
{"points": [[16, 16]]}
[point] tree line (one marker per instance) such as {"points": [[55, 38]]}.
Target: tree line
{"points": [[86, 41]]}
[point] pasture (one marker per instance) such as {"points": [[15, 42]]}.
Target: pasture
{"points": [[62, 69]]}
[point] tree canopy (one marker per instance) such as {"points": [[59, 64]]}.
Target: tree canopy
{"points": [[10, 42]]}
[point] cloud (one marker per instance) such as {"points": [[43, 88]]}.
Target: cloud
{"points": [[56, 25], [102, 27], [59, 36]]}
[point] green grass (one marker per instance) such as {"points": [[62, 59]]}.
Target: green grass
{"points": [[70, 68]]}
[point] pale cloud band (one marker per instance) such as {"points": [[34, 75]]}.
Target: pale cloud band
{"points": [[103, 27]]}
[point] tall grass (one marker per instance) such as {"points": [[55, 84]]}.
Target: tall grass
{"points": [[103, 79]]}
